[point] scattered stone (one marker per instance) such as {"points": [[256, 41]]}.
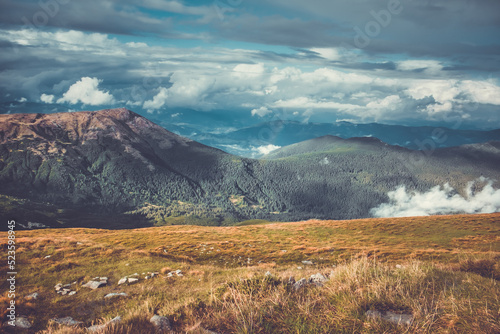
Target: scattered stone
{"points": [[72, 293], [318, 279], [395, 318], [67, 321], [399, 266], [147, 277], [97, 328], [132, 280], [291, 280], [307, 262], [79, 243], [300, 284], [66, 285], [299, 268], [48, 256], [122, 280], [268, 274], [161, 323], [114, 294], [22, 322], [33, 296], [94, 284]]}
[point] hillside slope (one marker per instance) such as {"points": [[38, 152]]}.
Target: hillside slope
{"points": [[106, 167], [442, 270]]}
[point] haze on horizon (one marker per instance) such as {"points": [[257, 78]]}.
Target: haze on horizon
{"points": [[388, 61]]}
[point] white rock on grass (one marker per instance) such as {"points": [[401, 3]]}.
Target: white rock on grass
{"points": [[318, 279], [122, 280], [395, 318], [94, 284], [33, 296], [307, 262], [97, 328], [67, 321], [22, 322], [132, 280], [162, 324], [300, 284]]}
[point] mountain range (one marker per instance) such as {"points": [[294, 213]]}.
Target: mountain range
{"points": [[114, 168], [247, 140]]}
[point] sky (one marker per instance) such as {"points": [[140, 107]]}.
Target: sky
{"points": [[389, 61]]}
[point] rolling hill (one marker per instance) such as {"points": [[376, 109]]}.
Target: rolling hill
{"points": [[114, 168]]}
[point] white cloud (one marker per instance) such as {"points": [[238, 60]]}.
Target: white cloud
{"points": [[388, 103], [46, 98], [87, 91], [440, 200], [327, 53], [486, 92], [261, 112], [265, 149], [429, 66], [158, 100], [308, 103], [22, 99]]}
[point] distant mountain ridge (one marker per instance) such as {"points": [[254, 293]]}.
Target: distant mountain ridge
{"points": [[284, 133], [115, 168]]}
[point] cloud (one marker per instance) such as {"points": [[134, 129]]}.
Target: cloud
{"points": [[87, 91], [429, 66], [45, 98], [266, 149], [292, 81], [158, 100], [261, 112], [440, 200], [22, 99]]}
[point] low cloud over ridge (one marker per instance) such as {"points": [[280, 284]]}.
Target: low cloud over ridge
{"points": [[440, 200]]}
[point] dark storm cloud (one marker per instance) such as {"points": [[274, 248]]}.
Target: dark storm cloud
{"points": [[114, 17]]}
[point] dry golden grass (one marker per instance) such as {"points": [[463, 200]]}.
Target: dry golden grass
{"points": [[448, 279]]}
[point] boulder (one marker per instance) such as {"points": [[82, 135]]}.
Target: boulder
{"points": [[22, 322], [300, 284], [162, 324], [133, 280], [94, 284], [122, 280], [318, 279], [67, 321]]}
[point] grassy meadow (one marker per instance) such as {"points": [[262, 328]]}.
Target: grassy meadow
{"points": [[443, 270]]}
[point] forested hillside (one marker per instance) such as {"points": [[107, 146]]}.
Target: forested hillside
{"points": [[114, 168]]}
